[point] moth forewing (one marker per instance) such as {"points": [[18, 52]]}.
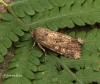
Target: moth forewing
{"points": [[58, 42]]}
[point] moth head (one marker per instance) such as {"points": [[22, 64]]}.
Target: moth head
{"points": [[32, 34], [38, 33]]}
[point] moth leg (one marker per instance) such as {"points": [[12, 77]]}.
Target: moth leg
{"points": [[32, 46], [43, 51], [42, 48]]}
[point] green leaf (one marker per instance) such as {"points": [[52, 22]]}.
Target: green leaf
{"points": [[1, 58], [29, 74], [6, 41], [46, 71], [60, 79], [25, 37], [46, 4], [9, 31], [6, 16], [18, 80], [3, 51], [23, 65], [93, 76], [58, 14], [70, 13]]}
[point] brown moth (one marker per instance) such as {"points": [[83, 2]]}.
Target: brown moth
{"points": [[58, 42]]}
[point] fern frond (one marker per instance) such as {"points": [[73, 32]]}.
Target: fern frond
{"points": [[58, 14], [93, 76], [52, 14], [78, 12], [23, 65], [46, 71], [51, 18], [85, 75], [26, 6], [91, 61], [63, 78], [90, 51], [6, 16], [31, 7], [88, 66], [9, 31]]}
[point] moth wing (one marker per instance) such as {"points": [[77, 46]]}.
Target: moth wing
{"points": [[62, 44]]}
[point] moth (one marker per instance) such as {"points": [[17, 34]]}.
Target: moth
{"points": [[58, 42]]}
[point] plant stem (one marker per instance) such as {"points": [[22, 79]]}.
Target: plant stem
{"points": [[3, 3]]}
